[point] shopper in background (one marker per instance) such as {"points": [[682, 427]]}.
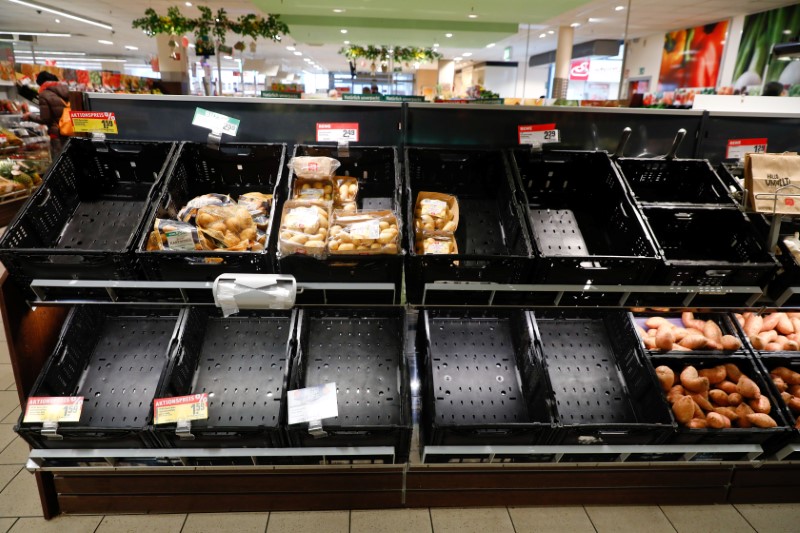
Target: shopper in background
{"points": [[773, 88], [53, 98]]}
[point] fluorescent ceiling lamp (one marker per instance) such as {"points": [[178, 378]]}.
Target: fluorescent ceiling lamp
{"points": [[42, 7], [129, 47], [188, 4], [551, 32], [448, 35], [343, 30], [490, 45], [472, 16], [542, 35], [104, 41], [347, 42], [48, 53], [466, 54], [575, 24], [337, 10], [290, 48], [435, 45], [619, 8], [227, 57], [37, 33], [298, 53]]}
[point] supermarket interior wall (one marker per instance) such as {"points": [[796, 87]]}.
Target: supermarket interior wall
{"points": [[643, 61], [532, 82]]}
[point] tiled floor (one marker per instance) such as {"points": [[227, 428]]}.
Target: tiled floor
{"points": [[20, 511]]}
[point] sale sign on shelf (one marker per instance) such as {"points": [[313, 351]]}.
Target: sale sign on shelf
{"points": [[738, 147], [53, 409], [93, 122], [337, 131], [579, 69], [180, 408], [538, 134]]}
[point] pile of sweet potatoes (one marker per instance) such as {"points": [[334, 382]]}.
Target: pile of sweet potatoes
{"points": [[775, 332], [788, 384], [695, 335]]}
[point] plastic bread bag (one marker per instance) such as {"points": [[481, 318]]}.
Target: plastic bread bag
{"points": [[227, 228], [436, 243], [435, 211], [259, 205], [313, 189], [173, 235], [345, 193], [313, 167], [189, 211], [364, 233], [304, 228]]}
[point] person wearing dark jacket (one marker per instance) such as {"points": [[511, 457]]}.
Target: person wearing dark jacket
{"points": [[53, 98]]}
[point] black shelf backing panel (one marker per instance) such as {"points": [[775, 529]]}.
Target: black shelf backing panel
{"points": [[780, 131]]}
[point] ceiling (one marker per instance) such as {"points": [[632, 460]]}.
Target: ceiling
{"points": [[316, 30]]}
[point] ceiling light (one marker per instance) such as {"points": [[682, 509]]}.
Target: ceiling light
{"points": [[436, 45], [58, 21], [188, 4], [129, 47], [575, 24], [466, 54], [103, 41], [472, 16], [347, 42], [298, 53], [40, 7], [47, 53], [542, 35], [619, 8], [338, 10], [448, 35], [37, 33], [592, 20], [550, 32], [80, 59], [457, 58], [290, 48], [227, 57], [490, 45], [343, 30]]}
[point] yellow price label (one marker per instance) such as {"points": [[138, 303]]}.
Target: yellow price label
{"points": [[93, 122], [53, 409], [172, 410]]}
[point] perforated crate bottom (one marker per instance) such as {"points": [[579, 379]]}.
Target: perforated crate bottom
{"points": [[558, 233], [583, 372], [241, 367], [475, 378], [376, 204], [124, 370], [101, 225], [362, 356], [481, 227]]}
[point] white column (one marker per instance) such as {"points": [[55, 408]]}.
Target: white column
{"points": [[563, 59]]}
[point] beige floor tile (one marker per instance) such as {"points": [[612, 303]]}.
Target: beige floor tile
{"points": [[5, 359], [13, 416], [20, 497], [391, 521], [706, 518], [143, 523], [771, 517], [7, 473], [8, 402], [327, 521], [217, 522], [550, 519], [6, 376], [6, 523], [494, 519], [15, 453], [6, 435], [624, 519], [59, 524]]}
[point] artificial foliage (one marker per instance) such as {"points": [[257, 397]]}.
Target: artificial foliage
{"points": [[384, 53]]}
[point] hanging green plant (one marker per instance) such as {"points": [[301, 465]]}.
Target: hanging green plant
{"points": [[383, 53]]}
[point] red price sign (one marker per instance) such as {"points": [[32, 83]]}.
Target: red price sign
{"points": [[738, 147], [538, 134], [337, 131]]}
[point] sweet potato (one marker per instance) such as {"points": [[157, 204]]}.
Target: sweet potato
{"points": [[785, 325], [768, 336], [715, 375], [712, 344], [785, 396], [655, 322], [717, 421], [698, 411], [762, 420], [752, 325], [683, 409], [711, 330], [692, 382], [743, 410], [702, 401], [770, 321], [780, 384], [733, 372], [747, 388], [730, 343], [760, 405], [666, 377], [690, 321], [719, 397], [727, 412], [652, 332], [797, 423], [675, 393], [694, 341], [739, 319], [697, 423], [757, 343], [679, 348], [787, 375], [773, 347], [679, 333], [734, 399], [795, 323], [642, 333], [794, 404], [665, 339], [727, 386], [649, 342], [791, 345], [794, 390]]}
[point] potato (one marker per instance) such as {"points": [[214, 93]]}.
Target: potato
{"points": [[718, 421], [780, 384], [760, 405], [730, 343], [666, 377], [692, 382], [727, 386], [762, 420], [719, 397], [787, 375], [734, 399], [748, 388], [785, 325], [794, 404], [733, 373], [743, 410], [752, 325], [712, 331], [715, 375], [655, 322], [664, 338], [702, 401], [345, 246], [794, 390], [690, 322], [727, 412], [675, 393], [683, 409], [694, 342], [770, 322], [697, 423]]}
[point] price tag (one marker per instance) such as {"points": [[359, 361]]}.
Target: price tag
{"points": [[53, 409], [93, 122], [738, 147], [538, 134], [312, 403], [337, 131], [216, 122], [180, 408]]}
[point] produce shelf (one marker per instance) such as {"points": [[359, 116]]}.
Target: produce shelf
{"points": [[675, 181]]}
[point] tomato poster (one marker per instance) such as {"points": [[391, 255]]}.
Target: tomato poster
{"points": [[691, 57]]}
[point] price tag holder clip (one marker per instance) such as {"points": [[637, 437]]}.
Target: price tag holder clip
{"points": [[50, 431], [315, 429], [217, 123], [183, 429], [343, 149]]}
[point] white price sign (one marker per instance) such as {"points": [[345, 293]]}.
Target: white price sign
{"points": [[738, 147], [538, 134], [312, 403], [216, 122], [337, 131], [53, 409]]}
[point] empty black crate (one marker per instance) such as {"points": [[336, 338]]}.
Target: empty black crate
{"points": [[583, 223], [83, 221], [676, 181], [115, 358], [362, 351], [768, 438], [231, 169], [493, 243], [604, 393], [379, 188], [708, 246], [242, 363], [480, 383]]}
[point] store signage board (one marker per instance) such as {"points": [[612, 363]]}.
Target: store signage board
{"points": [[53, 409], [216, 122], [337, 132], [579, 69], [180, 408], [402, 98], [93, 122], [362, 97], [538, 134], [280, 94], [312, 403], [737, 148]]}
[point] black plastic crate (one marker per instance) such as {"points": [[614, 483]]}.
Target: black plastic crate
{"points": [[582, 220], [480, 383], [708, 246], [379, 188], [242, 363], [768, 438], [603, 392], [116, 359], [363, 351], [675, 181], [492, 238], [84, 220], [726, 323], [232, 169]]}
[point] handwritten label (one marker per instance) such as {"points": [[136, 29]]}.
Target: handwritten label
{"points": [[538, 134], [53, 409], [337, 131], [737, 148], [216, 122], [93, 122], [312, 403], [180, 408]]}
